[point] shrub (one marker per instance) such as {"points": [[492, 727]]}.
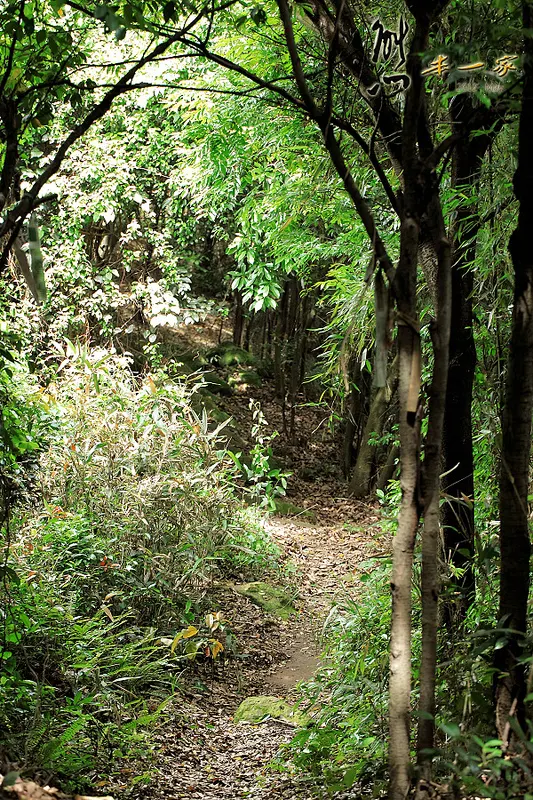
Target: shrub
{"points": [[137, 514], [347, 741]]}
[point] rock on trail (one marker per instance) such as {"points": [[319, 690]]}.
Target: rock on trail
{"points": [[210, 753]]}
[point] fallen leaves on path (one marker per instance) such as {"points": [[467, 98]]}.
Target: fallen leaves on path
{"points": [[206, 755]]}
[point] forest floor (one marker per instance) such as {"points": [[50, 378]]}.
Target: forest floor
{"points": [[207, 755], [199, 751]]}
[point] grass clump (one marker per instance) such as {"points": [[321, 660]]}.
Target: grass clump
{"points": [[347, 741], [135, 515]]}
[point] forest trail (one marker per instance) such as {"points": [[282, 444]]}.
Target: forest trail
{"points": [[208, 755]]}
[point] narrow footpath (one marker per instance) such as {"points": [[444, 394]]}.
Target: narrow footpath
{"points": [[210, 756]]}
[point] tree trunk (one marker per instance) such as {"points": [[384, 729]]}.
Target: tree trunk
{"points": [[431, 494], [279, 340], [352, 415], [248, 330], [296, 345], [238, 319], [389, 468], [402, 558], [362, 474], [404, 287], [515, 543], [458, 483]]}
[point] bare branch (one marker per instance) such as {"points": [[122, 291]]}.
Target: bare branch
{"points": [[299, 75]]}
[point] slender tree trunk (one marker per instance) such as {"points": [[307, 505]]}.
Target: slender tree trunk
{"points": [[248, 330], [307, 307], [238, 319], [430, 612], [296, 342], [356, 411], [431, 495], [415, 198], [403, 546], [458, 484], [515, 543], [351, 417], [263, 338], [362, 474], [389, 468], [279, 341]]}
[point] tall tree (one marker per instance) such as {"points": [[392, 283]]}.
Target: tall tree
{"points": [[458, 467], [515, 542]]}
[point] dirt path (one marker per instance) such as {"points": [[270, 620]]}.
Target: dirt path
{"points": [[208, 756]]}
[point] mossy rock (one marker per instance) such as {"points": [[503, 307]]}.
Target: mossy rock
{"points": [[229, 355], [256, 709], [284, 508], [245, 378], [213, 383], [270, 598], [192, 360], [205, 399]]}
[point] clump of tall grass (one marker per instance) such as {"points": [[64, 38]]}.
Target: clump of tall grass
{"points": [[135, 515]]}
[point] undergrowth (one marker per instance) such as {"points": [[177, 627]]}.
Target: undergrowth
{"points": [[110, 555], [347, 742]]}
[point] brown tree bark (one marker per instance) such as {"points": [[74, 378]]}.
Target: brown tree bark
{"points": [[515, 545], [358, 383], [417, 195], [238, 318], [360, 481], [431, 495], [403, 546], [389, 468]]}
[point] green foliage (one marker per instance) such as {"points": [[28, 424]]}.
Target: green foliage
{"points": [[389, 501], [25, 421], [79, 694], [263, 481], [348, 741], [204, 641], [143, 470], [138, 514], [484, 767]]}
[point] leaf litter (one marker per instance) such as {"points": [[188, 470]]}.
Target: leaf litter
{"points": [[204, 754]]}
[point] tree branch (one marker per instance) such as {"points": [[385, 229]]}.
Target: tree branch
{"points": [[17, 214], [9, 65], [297, 68]]}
